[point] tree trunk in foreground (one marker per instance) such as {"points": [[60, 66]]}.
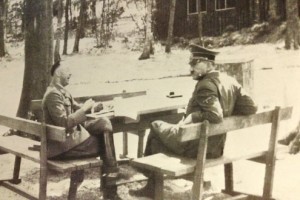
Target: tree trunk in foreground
{"points": [[38, 52]]}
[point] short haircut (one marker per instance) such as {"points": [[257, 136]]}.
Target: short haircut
{"points": [[54, 67]]}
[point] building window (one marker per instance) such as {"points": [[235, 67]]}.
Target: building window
{"points": [[225, 4], [192, 6]]}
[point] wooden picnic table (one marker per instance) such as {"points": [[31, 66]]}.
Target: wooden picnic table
{"points": [[135, 114]]}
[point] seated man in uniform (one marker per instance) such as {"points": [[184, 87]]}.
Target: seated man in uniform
{"points": [[215, 96], [84, 138]]}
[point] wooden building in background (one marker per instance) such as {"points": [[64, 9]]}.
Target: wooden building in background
{"points": [[217, 15]]}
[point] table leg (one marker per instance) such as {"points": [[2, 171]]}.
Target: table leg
{"points": [[141, 134], [125, 144]]}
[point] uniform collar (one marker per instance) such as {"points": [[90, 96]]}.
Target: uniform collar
{"points": [[210, 74], [59, 87]]}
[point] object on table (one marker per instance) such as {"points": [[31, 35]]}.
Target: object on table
{"points": [[173, 95]]}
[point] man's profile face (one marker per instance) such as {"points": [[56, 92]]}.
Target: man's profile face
{"points": [[64, 75], [198, 69]]}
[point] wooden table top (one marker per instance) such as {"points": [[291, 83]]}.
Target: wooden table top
{"points": [[133, 108]]}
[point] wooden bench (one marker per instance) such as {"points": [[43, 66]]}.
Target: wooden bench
{"points": [[174, 166], [36, 113], [18, 146]]}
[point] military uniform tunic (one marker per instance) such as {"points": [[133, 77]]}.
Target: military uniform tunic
{"points": [[60, 109], [215, 96]]}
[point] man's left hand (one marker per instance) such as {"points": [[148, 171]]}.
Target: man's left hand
{"points": [[98, 107]]}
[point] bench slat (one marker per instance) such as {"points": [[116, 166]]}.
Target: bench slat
{"points": [[71, 165], [192, 131], [34, 128], [173, 165], [19, 146]]}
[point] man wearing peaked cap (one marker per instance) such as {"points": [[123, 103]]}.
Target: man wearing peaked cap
{"points": [[84, 138], [199, 52], [215, 96]]}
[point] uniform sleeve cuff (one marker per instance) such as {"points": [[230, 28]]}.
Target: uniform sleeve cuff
{"points": [[79, 116]]}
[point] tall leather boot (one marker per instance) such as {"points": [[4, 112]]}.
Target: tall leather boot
{"points": [[110, 169], [110, 161]]}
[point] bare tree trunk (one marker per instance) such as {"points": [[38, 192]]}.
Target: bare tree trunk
{"points": [[94, 16], [171, 26], [263, 10], [107, 34], [38, 52], [80, 27], [67, 24], [102, 28], [105, 25], [95, 20], [200, 24], [273, 11], [5, 19], [71, 14], [58, 31], [292, 26], [148, 47], [2, 25]]}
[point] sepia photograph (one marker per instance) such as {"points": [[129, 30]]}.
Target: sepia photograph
{"points": [[149, 99]]}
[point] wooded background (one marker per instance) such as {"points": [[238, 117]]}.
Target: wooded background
{"points": [[42, 24]]}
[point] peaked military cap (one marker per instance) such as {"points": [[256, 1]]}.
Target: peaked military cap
{"points": [[54, 67], [201, 53]]}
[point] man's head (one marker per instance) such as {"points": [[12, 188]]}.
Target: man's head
{"points": [[201, 61], [61, 74]]}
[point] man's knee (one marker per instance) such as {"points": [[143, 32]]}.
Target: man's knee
{"points": [[155, 124], [158, 126], [105, 124], [101, 125]]}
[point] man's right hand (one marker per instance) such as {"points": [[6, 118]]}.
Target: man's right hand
{"points": [[87, 106]]}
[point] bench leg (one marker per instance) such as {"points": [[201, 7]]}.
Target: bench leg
{"points": [[76, 179], [271, 156], [17, 166], [159, 186], [141, 134], [43, 182], [228, 172]]}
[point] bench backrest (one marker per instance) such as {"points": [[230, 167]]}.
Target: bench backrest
{"points": [[192, 131], [203, 130], [36, 105], [33, 128]]}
